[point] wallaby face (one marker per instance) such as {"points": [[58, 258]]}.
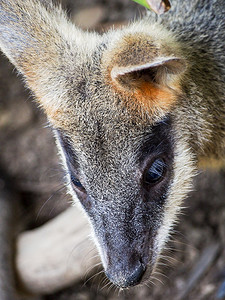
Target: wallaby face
{"points": [[120, 163], [130, 119], [123, 186]]}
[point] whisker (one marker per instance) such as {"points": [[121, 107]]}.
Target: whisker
{"points": [[44, 204], [156, 278], [95, 275], [94, 265], [107, 284], [110, 287], [161, 274]]}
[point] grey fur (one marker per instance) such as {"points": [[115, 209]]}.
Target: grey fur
{"points": [[200, 30]]}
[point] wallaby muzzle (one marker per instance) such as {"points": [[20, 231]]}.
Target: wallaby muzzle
{"points": [[125, 239]]}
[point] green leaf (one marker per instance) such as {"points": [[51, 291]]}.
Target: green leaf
{"points": [[158, 6], [143, 2]]}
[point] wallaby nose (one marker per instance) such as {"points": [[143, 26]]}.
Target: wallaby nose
{"points": [[125, 280], [136, 276]]}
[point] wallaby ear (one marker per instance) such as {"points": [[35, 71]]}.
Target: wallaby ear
{"points": [[38, 39], [149, 74]]}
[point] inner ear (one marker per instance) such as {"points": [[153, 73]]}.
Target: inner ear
{"points": [[136, 78], [161, 72]]}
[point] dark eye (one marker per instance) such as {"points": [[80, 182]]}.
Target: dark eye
{"points": [[76, 182], [155, 172]]}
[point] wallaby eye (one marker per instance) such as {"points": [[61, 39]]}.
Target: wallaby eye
{"points": [[76, 182], [155, 172]]}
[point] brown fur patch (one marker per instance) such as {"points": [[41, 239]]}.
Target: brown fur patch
{"points": [[37, 73], [149, 97], [152, 97]]}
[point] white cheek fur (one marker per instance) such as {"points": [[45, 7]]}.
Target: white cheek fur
{"points": [[184, 171]]}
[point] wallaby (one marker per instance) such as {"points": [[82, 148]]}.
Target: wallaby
{"points": [[134, 111]]}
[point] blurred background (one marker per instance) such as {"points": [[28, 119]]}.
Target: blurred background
{"points": [[195, 258]]}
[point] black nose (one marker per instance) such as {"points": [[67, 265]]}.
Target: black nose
{"points": [[126, 280], [136, 276]]}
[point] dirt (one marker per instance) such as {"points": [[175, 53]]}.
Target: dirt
{"points": [[28, 155]]}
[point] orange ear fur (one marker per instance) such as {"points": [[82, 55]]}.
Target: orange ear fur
{"points": [[155, 98]]}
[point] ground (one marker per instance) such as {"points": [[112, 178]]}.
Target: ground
{"points": [[195, 259]]}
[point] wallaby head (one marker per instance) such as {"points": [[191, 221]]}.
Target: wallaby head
{"points": [[113, 101], [119, 149]]}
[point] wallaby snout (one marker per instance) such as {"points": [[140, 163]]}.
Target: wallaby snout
{"points": [[126, 264], [127, 248], [131, 265]]}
